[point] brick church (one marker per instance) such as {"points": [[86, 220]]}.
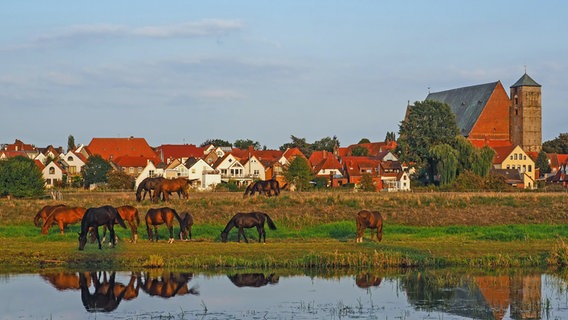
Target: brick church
{"points": [[486, 115]]}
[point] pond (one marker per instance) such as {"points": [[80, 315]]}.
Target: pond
{"points": [[158, 294]]}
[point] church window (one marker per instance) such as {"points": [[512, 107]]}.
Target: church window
{"points": [[516, 102]]}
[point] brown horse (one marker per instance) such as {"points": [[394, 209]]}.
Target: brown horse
{"points": [[248, 220], [130, 215], [63, 216], [266, 187], [44, 212], [63, 280], [165, 215], [168, 186], [369, 219], [186, 216], [366, 280], [146, 186]]}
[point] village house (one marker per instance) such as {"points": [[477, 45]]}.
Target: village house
{"points": [[515, 158]]}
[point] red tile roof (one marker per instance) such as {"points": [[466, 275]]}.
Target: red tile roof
{"points": [[19, 146], [501, 153], [129, 161], [112, 148], [178, 151]]}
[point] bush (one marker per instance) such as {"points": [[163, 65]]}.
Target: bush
{"points": [[20, 177]]}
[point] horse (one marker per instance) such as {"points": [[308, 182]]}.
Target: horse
{"points": [[146, 186], [167, 186], [63, 216], [243, 220], [186, 216], [254, 280], [155, 217], [369, 219], [366, 280], [130, 215], [44, 212], [168, 285], [95, 217], [267, 187], [63, 280]]}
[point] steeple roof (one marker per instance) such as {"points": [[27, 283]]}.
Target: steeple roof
{"points": [[525, 81]]}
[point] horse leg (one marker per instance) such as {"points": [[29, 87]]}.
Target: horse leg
{"points": [[244, 235], [134, 232], [112, 234], [61, 227], [149, 230], [171, 229], [156, 233], [98, 237]]}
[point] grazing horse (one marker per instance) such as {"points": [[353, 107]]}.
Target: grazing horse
{"points": [[267, 187], [146, 186], [95, 217], [369, 219], [44, 212], [254, 280], [168, 186], [130, 215], [243, 220], [156, 217], [186, 216], [63, 216]]}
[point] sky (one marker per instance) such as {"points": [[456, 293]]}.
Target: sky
{"points": [[177, 72]]}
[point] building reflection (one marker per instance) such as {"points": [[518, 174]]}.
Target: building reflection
{"points": [[482, 297]]}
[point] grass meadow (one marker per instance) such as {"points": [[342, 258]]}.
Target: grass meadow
{"points": [[316, 230]]}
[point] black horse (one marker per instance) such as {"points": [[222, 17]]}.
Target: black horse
{"points": [[243, 220], [146, 186], [266, 187], [95, 217]]}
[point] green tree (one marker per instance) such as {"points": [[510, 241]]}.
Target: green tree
{"points": [[364, 140], [542, 163], [120, 180], [216, 143], [391, 136], [299, 173], [71, 143], [367, 183], [360, 151], [327, 144], [300, 143], [95, 170], [428, 124], [20, 177], [244, 144], [483, 161], [556, 145], [446, 160]]}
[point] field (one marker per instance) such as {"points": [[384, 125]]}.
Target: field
{"points": [[315, 230]]}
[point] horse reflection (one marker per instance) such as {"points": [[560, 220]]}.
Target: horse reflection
{"points": [[254, 280], [167, 285], [367, 280], [64, 280], [104, 298]]}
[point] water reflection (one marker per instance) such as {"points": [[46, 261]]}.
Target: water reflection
{"points": [[254, 280], [479, 297], [439, 294]]}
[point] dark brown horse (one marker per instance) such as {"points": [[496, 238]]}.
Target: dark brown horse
{"points": [[146, 186], [266, 187], [254, 280], [169, 186], [369, 219], [165, 215], [188, 218], [63, 216], [95, 217], [243, 220], [130, 215], [44, 212]]}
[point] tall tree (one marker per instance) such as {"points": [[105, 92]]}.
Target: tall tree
{"points": [[71, 143], [244, 144], [390, 137], [542, 163], [216, 143], [446, 160], [327, 144], [300, 143], [299, 173], [556, 145], [483, 161], [428, 124], [95, 170], [20, 177]]}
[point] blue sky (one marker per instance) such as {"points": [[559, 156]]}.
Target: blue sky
{"points": [[188, 71]]}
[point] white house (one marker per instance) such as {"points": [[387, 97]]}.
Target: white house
{"points": [[254, 169], [74, 162], [230, 168], [53, 174], [150, 170]]}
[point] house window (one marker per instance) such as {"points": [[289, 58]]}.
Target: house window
{"points": [[193, 170], [530, 168], [511, 157], [256, 172], [524, 157], [52, 170], [70, 158], [515, 156], [508, 166], [131, 169], [150, 173], [524, 167]]}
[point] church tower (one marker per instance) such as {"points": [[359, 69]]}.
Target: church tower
{"points": [[525, 114]]}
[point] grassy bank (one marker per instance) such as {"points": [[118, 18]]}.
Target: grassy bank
{"points": [[315, 230]]}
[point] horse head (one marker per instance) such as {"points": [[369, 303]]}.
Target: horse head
{"points": [[82, 240], [224, 236]]}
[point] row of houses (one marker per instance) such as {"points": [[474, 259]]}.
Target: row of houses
{"points": [[210, 165]]}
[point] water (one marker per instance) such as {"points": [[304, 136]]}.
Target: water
{"points": [[177, 295]]}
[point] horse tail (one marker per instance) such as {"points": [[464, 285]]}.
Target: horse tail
{"points": [[271, 224], [119, 218], [137, 217]]}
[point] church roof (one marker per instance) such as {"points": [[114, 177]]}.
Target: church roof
{"points": [[525, 81], [466, 103]]}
